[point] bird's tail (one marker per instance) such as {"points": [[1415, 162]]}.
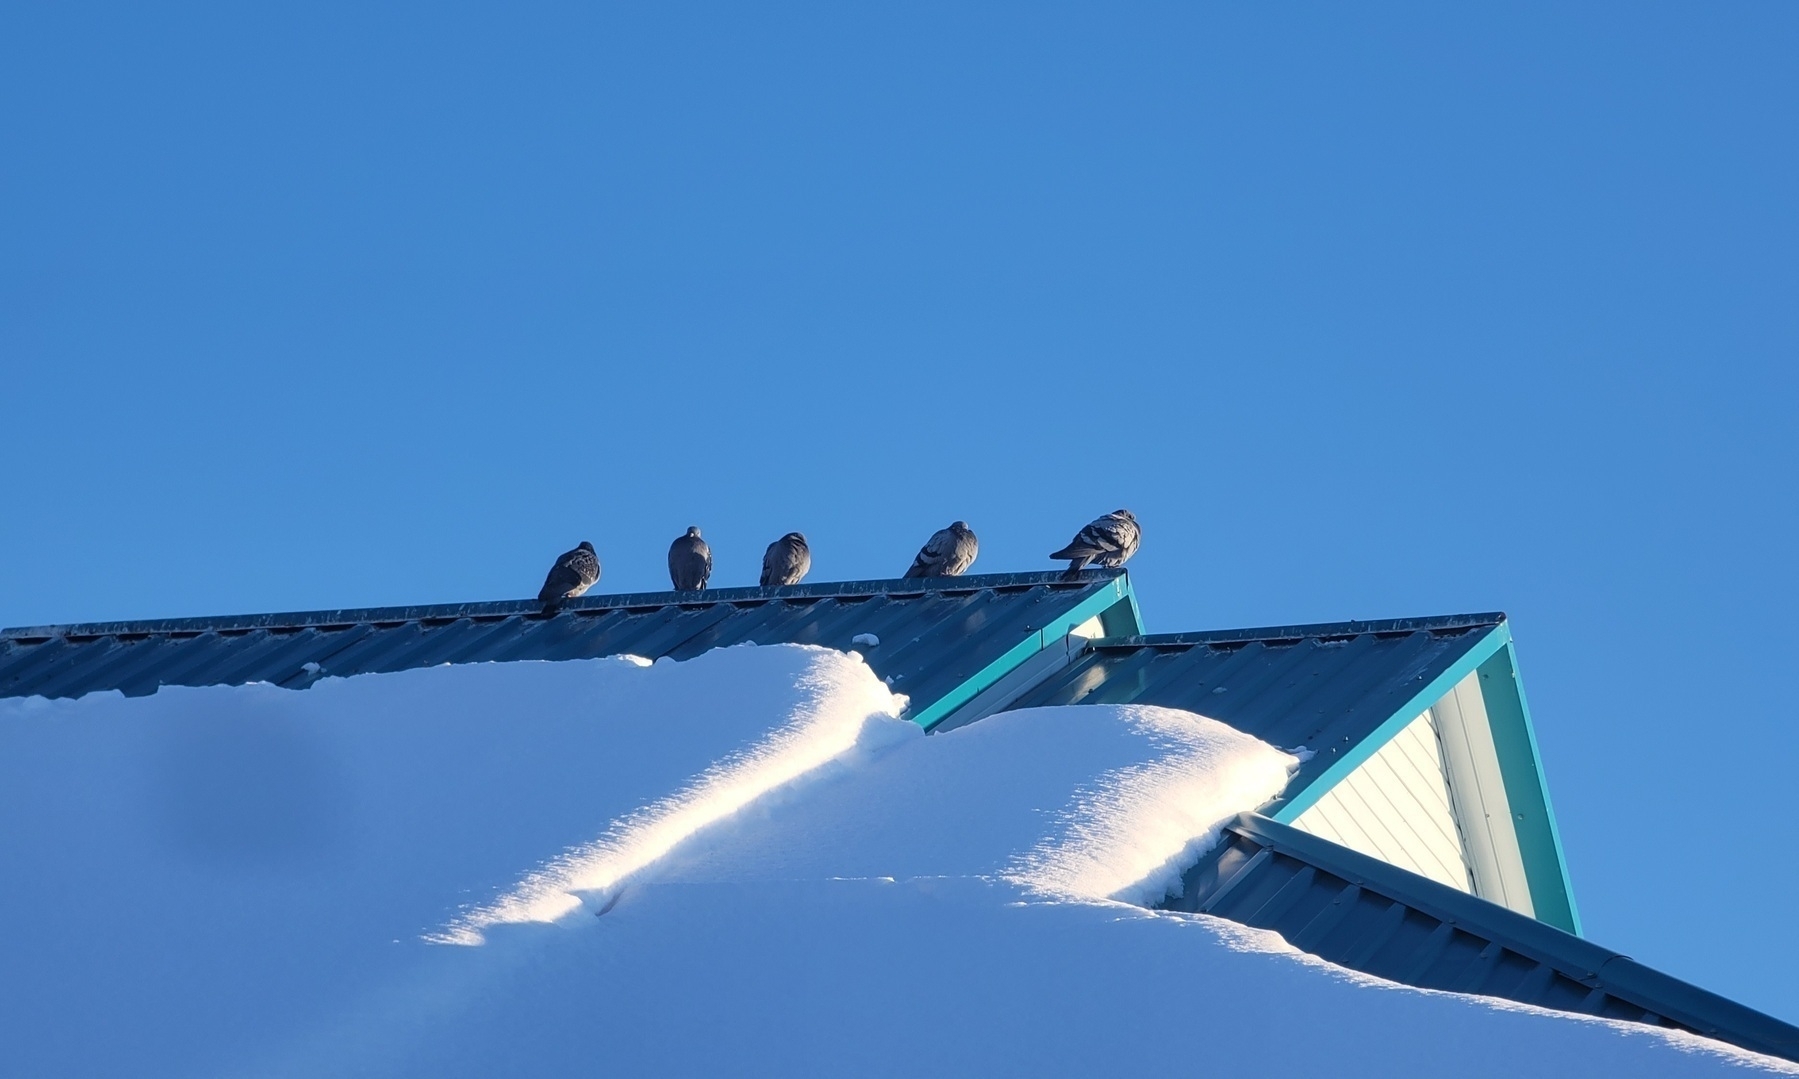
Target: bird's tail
{"points": [[1077, 562]]}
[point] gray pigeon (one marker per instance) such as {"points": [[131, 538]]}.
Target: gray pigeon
{"points": [[786, 560], [689, 562], [1109, 541], [573, 574], [948, 553]]}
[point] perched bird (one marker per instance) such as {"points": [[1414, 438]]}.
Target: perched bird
{"points": [[948, 553], [689, 562], [1109, 541], [573, 574], [786, 560]]}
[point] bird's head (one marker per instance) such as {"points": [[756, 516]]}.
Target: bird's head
{"points": [[584, 546], [795, 537], [694, 531], [959, 526], [1127, 515]]}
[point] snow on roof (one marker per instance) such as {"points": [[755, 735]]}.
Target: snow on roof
{"points": [[738, 864]]}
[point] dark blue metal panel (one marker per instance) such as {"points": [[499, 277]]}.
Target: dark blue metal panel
{"points": [[1371, 916], [934, 634], [1326, 687]]}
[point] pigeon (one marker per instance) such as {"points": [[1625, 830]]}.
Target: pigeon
{"points": [[786, 560], [573, 574], [948, 553], [1109, 541], [689, 562]]}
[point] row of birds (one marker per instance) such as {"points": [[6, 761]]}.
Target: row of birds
{"points": [[1107, 541]]}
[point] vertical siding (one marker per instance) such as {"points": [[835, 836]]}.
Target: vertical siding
{"points": [[1477, 791], [1396, 807]]}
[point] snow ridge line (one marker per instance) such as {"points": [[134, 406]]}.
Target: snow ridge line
{"points": [[1129, 836], [843, 707]]}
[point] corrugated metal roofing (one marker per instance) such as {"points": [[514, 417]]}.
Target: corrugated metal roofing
{"points": [[1326, 687], [1371, 916], [937, 636]]}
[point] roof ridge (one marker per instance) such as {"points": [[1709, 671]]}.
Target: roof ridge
{"points": [[1314, 629], [1590, 972], [895, 586]]}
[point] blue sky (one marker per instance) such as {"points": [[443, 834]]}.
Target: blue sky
{"points": [[1389, 311]]}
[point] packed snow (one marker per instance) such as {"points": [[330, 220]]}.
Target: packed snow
{"points": [[741, 864]]}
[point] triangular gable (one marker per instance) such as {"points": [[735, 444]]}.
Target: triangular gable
{"points": [[1342, 692], [1492, 767]]}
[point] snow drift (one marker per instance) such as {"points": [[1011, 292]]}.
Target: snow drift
{"points": [[741, 864], [836, 705]]}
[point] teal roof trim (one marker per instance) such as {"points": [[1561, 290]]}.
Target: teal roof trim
{"points": [[933, 635], [1299, 801], [1526, 788], [1520, 766], [1115, 604]]}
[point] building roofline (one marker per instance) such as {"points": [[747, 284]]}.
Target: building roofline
{"points": [[1432, 624], [445, 612]]}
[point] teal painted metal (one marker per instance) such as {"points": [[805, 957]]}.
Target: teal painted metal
{"points": [[1377, 918], [1323, 686], [1124, 619], [1526, 788], [1300, 801], [935, 634], [1114, 604], [1520, 767], [1343, 690]]}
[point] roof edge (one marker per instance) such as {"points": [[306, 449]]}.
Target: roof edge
{"points": [[1097, 605], [1527, 789], [1434, 623], [1295, 801], [1594, 965], [896, 586]]}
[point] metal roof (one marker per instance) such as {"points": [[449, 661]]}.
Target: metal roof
{"points": [[1330, 687], [1371, 916], [1325, 687], [1340, 690], [941, 639]]}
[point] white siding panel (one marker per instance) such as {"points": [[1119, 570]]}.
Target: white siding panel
{"points": [[1477, 790], [1397, 807]]}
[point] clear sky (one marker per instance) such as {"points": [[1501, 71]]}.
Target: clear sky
{"points": [[1364, 310]]}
